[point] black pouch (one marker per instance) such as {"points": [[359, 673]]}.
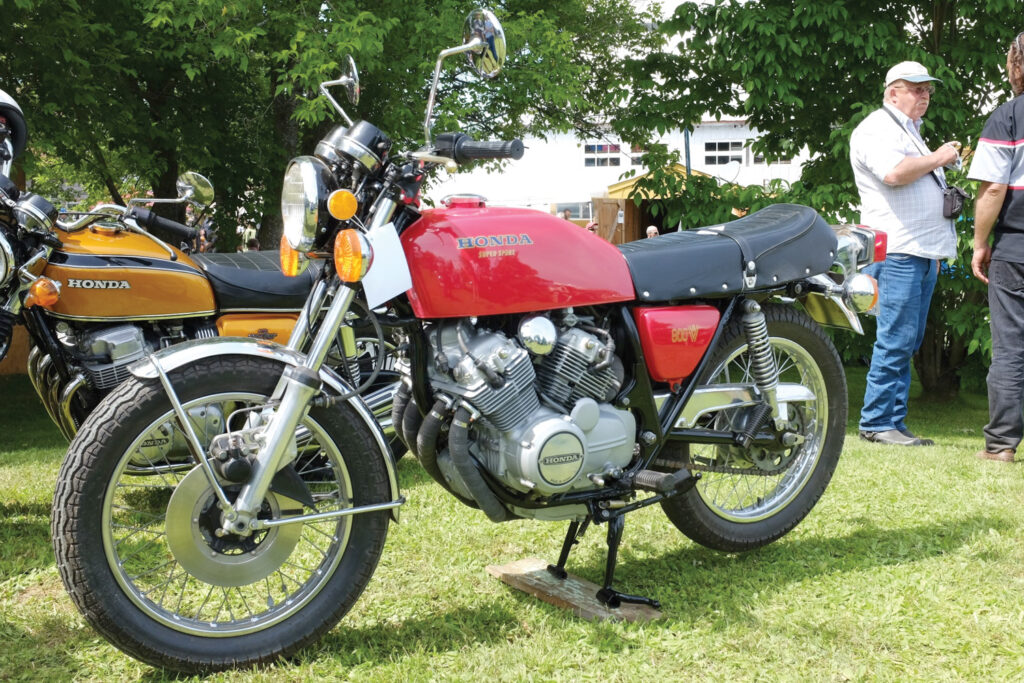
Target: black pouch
{"points": [[953, 201]]}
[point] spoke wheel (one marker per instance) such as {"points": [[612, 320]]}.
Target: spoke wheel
{"points": [[160, 538], [141, 549], [762, 493]]}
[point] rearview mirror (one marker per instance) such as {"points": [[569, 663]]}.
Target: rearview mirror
{"points": [[195, 188], [484, 46], [483, 29]]}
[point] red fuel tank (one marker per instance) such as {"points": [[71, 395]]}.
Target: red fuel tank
{"points": [[469, 260]]}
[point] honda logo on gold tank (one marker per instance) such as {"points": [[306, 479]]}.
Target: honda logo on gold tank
{"points": [[484, 241], [98, 284]]}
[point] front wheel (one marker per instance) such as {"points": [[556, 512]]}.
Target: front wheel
{"points": [[140, 549], [748, 498]]}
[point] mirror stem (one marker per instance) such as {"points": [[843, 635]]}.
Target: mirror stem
{"points": [[465, 47]]}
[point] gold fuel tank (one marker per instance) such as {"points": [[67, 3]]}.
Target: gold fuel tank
{"points": [[106, 273]]}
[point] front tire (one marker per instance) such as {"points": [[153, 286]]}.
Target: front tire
{"points": [[742, 511], [137, 549]]}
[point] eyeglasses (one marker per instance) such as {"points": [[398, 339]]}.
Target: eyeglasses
{"points": [[917, 90]]}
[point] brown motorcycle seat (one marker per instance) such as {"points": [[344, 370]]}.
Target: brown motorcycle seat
{"points": [[253, 281], [786, 242]]}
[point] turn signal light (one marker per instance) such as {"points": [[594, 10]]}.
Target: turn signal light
{"points": [[352, 255], [293, 262], [43, 292], [342, 204]]}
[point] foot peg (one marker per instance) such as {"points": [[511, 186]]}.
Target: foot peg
{"points": [[661, 482]]}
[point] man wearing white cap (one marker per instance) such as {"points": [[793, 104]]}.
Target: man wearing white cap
{"points": [[901, 183]]}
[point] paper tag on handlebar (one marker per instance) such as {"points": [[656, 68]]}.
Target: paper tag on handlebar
{"points": [[389, 273]]}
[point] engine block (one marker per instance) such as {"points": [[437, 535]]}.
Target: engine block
{"points": [[547, 423]]}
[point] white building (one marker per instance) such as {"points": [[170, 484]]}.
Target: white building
{"points": [[566, 173]]}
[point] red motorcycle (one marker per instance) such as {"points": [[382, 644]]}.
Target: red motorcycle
{"points": [[549, 375]]}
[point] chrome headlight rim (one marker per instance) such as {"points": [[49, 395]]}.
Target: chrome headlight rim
{"points": [[304, 213], [6, 261]]}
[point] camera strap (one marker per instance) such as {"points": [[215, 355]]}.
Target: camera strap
{"points": [[924, 152]]}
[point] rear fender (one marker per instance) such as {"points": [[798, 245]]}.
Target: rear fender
{"points": [[186, 353]]}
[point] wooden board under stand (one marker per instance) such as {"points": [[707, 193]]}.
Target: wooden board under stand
{"points": [[530, 575]]}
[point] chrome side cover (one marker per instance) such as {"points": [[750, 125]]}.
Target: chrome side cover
{"points": [[717, 397]]}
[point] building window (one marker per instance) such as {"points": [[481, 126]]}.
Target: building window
{"points": [[577, 210], [721, 153], [601, 154], [637, 152]]}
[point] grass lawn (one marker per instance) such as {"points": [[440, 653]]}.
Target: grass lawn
{"points": [[911, 567]]}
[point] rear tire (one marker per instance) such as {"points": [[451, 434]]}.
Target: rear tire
{"points": [[202, 603], [737, 512]]}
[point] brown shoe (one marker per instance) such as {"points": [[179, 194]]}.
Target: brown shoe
{"points": [[1005, 455]]}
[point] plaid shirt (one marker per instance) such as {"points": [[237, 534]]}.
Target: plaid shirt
{"points": [[999, 158], [910, 214]]}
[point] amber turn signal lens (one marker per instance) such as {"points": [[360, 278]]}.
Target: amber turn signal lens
{"points": [[342, 204], [293, 262], [352, 255], [43, 292]]}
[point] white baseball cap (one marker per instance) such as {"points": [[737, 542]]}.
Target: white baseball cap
{"points": [[914, 72]]}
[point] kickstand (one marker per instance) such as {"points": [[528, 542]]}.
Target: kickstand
{"points": [[572, 537], [608, 595]]}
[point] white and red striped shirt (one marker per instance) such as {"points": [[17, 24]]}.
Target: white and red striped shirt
{"points": [[999, 158]]}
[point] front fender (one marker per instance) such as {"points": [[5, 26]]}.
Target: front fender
{"points": [[186, 353]]}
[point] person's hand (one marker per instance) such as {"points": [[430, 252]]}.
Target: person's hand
{"points": [[979, 262], [945, 155]]}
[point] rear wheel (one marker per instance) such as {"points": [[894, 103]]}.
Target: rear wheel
{"points": [[758, 495], [138, 547]]}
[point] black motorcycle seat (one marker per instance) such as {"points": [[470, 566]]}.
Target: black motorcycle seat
{"points": [[253, 281], [783, 242]]}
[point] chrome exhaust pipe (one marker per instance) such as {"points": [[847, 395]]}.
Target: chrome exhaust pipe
{"points": [[379, 402], [70, 427]]}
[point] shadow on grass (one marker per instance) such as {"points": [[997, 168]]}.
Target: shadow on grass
{"points": [[698, 586], [445, 630], [24, 538]]}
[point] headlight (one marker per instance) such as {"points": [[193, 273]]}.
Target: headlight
{"points": [[6, 262], [35, 214], [307, 184]]}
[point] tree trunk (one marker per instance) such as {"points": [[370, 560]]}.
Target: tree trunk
{"points": [[938, 364], [286, 132]]}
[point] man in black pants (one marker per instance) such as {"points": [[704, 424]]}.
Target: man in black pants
{"points": [[999, 165]]}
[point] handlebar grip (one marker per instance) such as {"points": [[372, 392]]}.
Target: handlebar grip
{"points": [[466, 149], [150, 220]]}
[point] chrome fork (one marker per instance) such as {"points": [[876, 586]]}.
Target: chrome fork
{"points": [[295, 390]]}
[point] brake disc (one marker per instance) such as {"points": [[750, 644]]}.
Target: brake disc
{"points": [[192, 518]]}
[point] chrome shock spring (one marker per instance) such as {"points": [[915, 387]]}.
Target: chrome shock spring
{"points": [[762, 360]]}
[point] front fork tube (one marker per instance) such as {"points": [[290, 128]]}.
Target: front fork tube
{"points": [[295, 390], [307, 316], [763, 366]]}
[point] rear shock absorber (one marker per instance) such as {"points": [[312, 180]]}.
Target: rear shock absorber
{"points": [[762, 366]]}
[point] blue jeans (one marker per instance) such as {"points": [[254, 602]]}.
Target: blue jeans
{"points": [[905, 286]]}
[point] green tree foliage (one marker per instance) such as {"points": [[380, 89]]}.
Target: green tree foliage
{"points": [[804, 73], [132, 92]]}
